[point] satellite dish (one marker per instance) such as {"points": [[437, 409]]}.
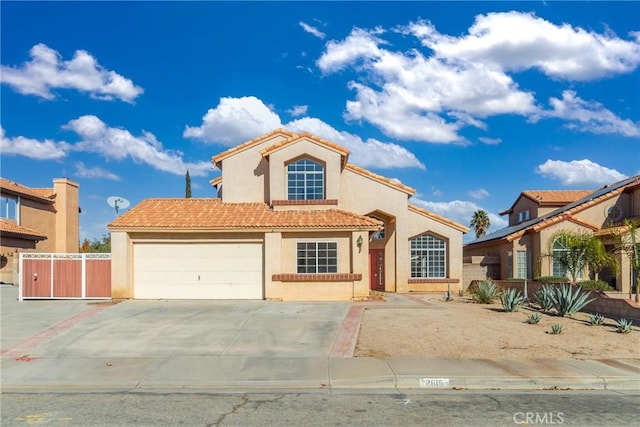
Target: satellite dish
{"points": [[118, 203]]}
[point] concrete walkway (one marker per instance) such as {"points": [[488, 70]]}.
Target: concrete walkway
{"points": [[239, 345]]}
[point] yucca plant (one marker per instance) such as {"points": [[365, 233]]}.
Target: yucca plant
{"points": [[596, 319], [567, 302], [485, 292], [511, 300], [556, 329], [624, 326], [533, 319], [544, 297]]}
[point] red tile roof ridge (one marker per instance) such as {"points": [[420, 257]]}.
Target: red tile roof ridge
{"points": [[344, 152], [438, 218], [384, 180], [44, 194], [248, 144], [8, 226]]}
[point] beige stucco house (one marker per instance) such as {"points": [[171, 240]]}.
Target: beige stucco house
{"points": [[294, 220], [36, 220], [517, 250]]}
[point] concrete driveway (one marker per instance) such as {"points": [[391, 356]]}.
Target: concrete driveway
{"points": [[168, 328]]}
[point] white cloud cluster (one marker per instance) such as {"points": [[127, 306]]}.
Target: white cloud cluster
{"points": [[579, 172], [298, 110], [480, 193], [115, 143], [32, 148], [236, 120], [95, 172], [430, 95], [47, 71]]}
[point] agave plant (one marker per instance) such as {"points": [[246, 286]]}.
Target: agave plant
{"points": [[556, 329], [533, 319], [624, 326], [485, 292], [567, 302], [544, 297], [511, 300], [596, 319]]}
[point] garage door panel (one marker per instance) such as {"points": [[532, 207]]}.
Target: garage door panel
{"points": [[198, 271]]}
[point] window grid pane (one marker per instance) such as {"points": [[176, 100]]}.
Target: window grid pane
{"points": [[521, 265], [305, 180], [317, 257], [428, 257]]}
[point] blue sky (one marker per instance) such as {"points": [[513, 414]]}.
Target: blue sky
{"points": [[469, 103]]}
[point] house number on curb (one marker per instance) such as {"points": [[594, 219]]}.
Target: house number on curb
{"points": [[434, 382]]}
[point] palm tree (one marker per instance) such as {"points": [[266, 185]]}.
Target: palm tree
{"points": [[480, 222], [580, 250]]}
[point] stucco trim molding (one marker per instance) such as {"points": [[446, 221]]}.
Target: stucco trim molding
{"points": [[333, 277], [304, 202], [443, 280]]}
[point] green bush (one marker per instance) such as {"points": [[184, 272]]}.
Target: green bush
{"points": [[511, 300], [544, 297], [551, 279], [567, 302], [485, 292], [595, 285]]}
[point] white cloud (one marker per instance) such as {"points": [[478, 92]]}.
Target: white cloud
{"points": [[118, 144], [95, 172], [585, 116], [235, 120], [579, 172], [312, 30], [32, 148], [461, 211], [412, 96], [519, 41], [480, 193], [490, 141], [369, 154], [47, 71], [298, 110]]}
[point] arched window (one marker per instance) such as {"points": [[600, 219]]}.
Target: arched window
{"points": [[305, 180], [428, 257]]}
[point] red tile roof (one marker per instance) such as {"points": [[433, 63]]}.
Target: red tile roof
{"points": [[438, 218], [218, 158], [10, 228], [306, 135], [40, 194], [555, 197], [212, 215], [381, 179]]}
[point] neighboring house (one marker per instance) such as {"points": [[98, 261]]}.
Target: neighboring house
{"points": [[518, 250], [293, 221], [36, 220]]}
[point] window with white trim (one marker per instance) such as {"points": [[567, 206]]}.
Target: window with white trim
{"points": [[428, 257], [522, 261], [305, 180], [317, 257], [558, 269]]}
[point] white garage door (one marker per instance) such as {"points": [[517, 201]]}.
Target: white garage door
{"points": [[197, 271]]}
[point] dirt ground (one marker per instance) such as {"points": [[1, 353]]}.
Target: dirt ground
{"points": [[462, 329]]}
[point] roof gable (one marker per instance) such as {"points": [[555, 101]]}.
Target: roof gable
{"points": [[438, 218], [13, 188], [381, 179], [549, 197], [218, 158], [342, 151], [11, 229]]}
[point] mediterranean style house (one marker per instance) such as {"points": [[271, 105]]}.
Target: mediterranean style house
{"points": [[36, 220], [517, 250], [294, 220]]}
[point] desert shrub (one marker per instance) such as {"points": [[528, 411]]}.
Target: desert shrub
{"points": [[511, 300], [596, 319], [567, 302], [556, 329], [551, 279], [595, 285], [485, 292], [544, 297], [624, 326], [533, 319]]}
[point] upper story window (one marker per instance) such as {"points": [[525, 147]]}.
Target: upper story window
{"points": [[523, 216], [305, 180], [428, 257], [10, 208]]}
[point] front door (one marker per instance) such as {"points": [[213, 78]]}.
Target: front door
{"points": [[376, 266]]}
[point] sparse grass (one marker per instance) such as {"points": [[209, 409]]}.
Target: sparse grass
{"points": [[556, 329]]}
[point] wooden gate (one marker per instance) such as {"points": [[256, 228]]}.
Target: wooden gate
{"points": [[65, 276]]}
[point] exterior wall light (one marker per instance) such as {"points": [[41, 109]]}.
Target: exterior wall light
{"points": [[359, 242]]}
